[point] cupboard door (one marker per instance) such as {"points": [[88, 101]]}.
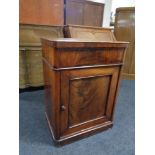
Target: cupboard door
{"points": [[87, 98]]}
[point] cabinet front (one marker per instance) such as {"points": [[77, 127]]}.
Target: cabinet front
{"points": [[87, 98]]}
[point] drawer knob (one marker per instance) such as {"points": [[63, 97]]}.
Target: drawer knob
{"points": [[63, 108]]}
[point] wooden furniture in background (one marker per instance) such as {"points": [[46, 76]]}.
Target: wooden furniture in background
{"points": [[30, 55], [81, 84], [47, 12], [125, 30], [60, 12], [88, 32], [83, 12]]}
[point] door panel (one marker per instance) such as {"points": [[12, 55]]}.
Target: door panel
{"points": [[87, 96]]}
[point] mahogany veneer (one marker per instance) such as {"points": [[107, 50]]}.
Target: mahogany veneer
{"points": [[81, 83]]}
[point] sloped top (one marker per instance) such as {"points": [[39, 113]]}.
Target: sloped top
{"points": [[89, 33]]}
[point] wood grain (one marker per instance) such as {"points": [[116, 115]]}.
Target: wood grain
{"points": [[83, 12], [50, 12], [85, 94], [89, 33]]}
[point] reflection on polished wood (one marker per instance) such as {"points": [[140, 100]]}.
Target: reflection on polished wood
{"points": [[80, 87]]}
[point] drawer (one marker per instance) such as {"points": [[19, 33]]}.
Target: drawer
{"points": [[71, 53], [88, 57]]}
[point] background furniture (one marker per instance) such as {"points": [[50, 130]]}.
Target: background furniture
{"points": [[84, 12], [47, 12], [30, 55], [125, 30], [89, 33], [60, 12], [81, 83]]}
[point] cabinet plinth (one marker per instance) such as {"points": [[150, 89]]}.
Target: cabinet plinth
{"points": [[81, 84]]}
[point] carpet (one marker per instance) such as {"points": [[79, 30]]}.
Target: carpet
{"points": [[35, 138]]}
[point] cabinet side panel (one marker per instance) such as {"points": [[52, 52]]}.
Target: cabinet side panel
{"points": [[52, 96], [52, 93]]}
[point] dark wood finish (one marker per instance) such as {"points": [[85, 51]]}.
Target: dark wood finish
{"points": [[30, 55], [83, 12], [49, 12], [125, 30], [89, 33], [80, 91]]}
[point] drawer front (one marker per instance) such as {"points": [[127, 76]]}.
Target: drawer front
{"points": [[87, 98], [87, 56]]}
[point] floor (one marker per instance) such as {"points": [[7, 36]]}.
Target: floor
{"points": [[35, 138]]}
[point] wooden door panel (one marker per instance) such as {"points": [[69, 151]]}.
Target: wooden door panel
{"points": [[85, 94], [88, 97]]}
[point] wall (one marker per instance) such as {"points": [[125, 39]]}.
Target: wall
{"points": [[121, 3], [107, 12]]}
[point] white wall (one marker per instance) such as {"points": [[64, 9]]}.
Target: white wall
{"points": [[107, 12], [122, 3]]}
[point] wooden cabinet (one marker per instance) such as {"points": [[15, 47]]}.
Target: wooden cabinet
{"points": [[81, 83], [83, 12], [46, 12], [60, 12], [90, 33], [30, 52], [125, 30]]}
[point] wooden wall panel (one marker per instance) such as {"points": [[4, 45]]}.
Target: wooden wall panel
{"points": [[125, 31], [49, 12]]}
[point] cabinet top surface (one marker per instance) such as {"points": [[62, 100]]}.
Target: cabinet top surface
{"points": [[73, 42]]}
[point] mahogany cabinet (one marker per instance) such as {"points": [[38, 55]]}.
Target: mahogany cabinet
{"points": [[81, 84]]}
